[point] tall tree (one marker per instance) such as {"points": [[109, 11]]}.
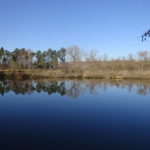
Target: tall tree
{"points": [[39, 59], [54, 58], [48, 57], [1, 54], [62, 54], [74, 53]]}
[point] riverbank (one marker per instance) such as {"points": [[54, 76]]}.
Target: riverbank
{"points": [[44, 73]]}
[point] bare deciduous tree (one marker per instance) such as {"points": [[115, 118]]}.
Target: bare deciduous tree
{"points": [[144, 55], [91, 56], [74, 53]]}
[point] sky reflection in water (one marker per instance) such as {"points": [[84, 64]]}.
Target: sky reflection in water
{"points": [[73, 114]]}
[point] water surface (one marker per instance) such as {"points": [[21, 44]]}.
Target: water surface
{"points": [[75, 114]]}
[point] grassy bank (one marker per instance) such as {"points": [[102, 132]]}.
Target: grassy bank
{"points": [[58, 73], [69, 63]]}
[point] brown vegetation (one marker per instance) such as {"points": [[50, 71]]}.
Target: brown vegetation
{"points": [[80, 65]]}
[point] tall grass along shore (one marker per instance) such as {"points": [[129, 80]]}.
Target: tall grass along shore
{"points": [[71, 62]]}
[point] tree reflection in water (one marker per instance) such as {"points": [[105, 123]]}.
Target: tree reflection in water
{"points": [[73, 88]]}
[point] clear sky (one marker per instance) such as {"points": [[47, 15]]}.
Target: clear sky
{"points": [[110, 26]]}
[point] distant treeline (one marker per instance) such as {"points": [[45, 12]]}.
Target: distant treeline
{"points": [[27, 59], [71, 59]]}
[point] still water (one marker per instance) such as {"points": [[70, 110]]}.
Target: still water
{"points": [[75, 115]]}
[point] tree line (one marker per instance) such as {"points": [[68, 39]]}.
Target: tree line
{"points": [[71, 59], [27, 59]]}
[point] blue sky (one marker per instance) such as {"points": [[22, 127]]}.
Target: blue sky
{"points": [[110, 26]]}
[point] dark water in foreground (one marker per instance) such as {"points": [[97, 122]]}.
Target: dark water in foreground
{"points": [[75, 115]]}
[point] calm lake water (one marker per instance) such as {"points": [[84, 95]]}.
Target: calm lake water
{"points": [[75, 115]]}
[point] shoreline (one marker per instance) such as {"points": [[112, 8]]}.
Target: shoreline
{"points": [[47, 74]]}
